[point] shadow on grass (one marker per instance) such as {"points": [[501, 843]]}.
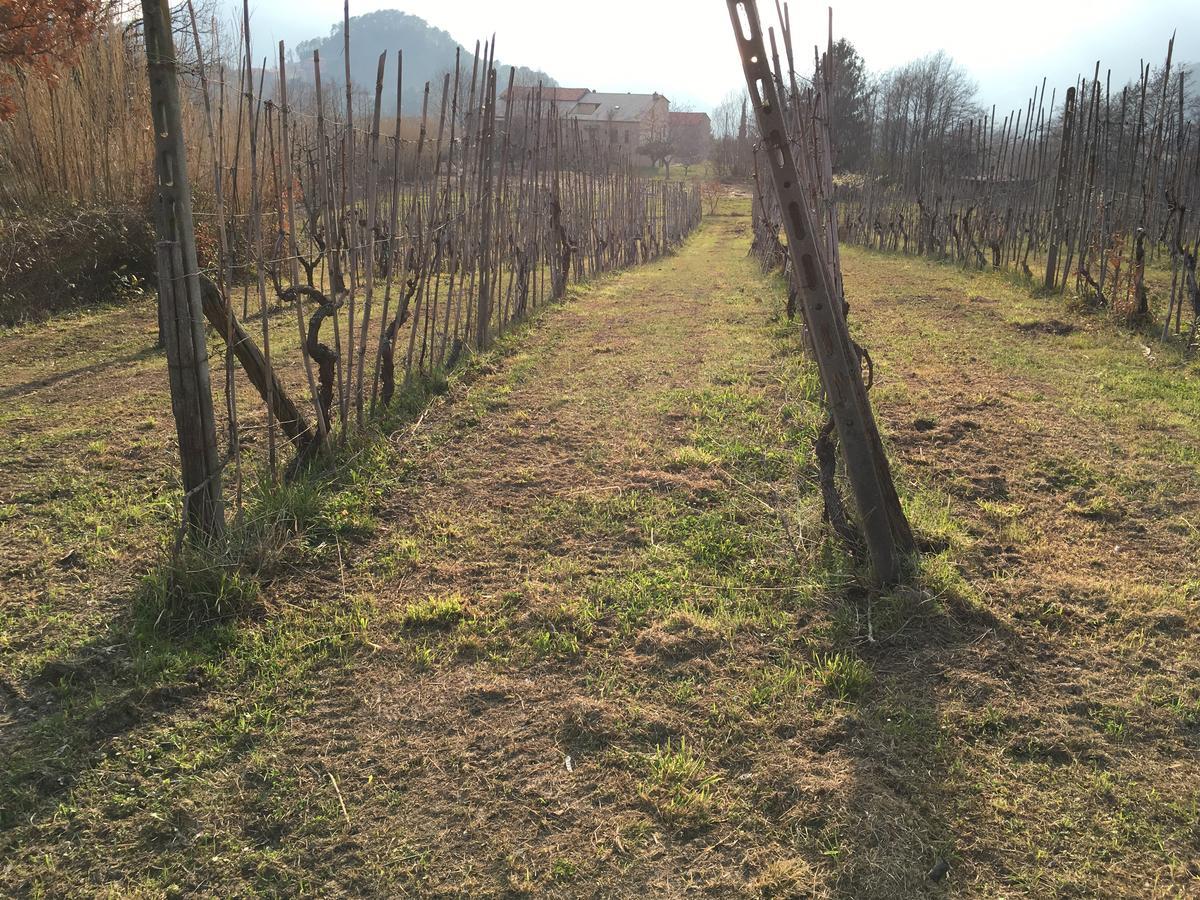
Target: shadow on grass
{"points": [[895, 831], [197, 622], [37, 384], [74, 706]]}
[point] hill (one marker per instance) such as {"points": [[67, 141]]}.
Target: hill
{"points": [[428, 54]]}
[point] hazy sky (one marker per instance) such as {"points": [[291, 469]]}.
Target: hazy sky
{"points": [[685, 49]]}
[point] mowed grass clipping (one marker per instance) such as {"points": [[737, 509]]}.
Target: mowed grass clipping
{"points": [[582, 630]]}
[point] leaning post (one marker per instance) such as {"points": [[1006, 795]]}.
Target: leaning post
{"points": [[885, 529]]}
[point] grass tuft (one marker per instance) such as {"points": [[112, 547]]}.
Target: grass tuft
{"points": [[678, 786], [846, 677], [435, 612], [197, 589]]}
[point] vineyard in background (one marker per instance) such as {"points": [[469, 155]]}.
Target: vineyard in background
{"points": [[1095, 191], [370, 252]]}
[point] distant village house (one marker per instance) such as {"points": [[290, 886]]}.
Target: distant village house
{"points": [[691, 137], [629, 121]]}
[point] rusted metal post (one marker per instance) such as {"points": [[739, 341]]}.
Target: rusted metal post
{"points": [[884, 527]]}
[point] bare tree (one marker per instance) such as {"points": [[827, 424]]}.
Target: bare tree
{"points": [[658, 150], [921, 106], [734, 136]]}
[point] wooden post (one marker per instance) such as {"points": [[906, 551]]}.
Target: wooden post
{"points": [[258, 367], [293, 249], [180, 305], [484, 315], [372, 213], [883, 524], [225, 271], [1060, 191]]}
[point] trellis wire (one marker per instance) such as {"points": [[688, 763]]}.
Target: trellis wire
{"points": [[464, 231], [1081, 196]]}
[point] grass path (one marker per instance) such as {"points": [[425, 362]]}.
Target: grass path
{"points": [[576, 631]]}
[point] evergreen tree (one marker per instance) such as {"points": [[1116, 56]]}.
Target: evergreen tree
{"points": [[850, 131]]}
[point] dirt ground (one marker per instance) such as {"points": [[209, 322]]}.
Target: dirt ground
{"points": [[579, 630]]}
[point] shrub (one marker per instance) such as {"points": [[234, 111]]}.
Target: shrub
{"points": [[68, 256]]}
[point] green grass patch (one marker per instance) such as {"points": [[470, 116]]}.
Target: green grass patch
{"points": [[845, 676], [678, 786], [434, 612]]}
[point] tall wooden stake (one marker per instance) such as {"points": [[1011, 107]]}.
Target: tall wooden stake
{"points": [[179, 298]]}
